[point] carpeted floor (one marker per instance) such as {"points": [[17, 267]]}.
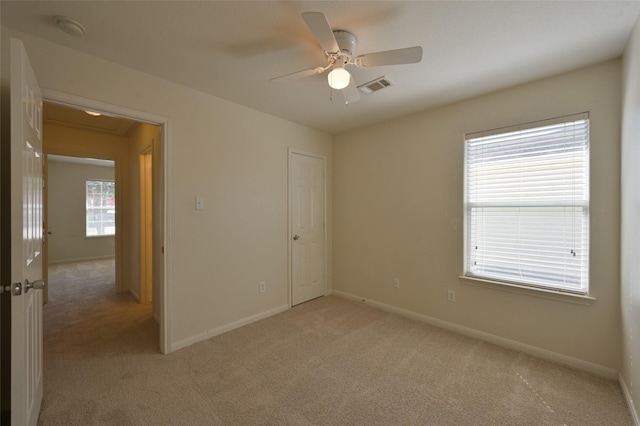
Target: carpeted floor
{"points": [[325, 362]]}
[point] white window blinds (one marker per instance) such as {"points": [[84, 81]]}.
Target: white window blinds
{"points": [[527, 204], [101, 208]]}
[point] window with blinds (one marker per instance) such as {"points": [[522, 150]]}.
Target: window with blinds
{"points": [[527, 205]]}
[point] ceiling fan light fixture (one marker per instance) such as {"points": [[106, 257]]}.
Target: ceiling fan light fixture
{"points": [[339, 77], [339, 49]]}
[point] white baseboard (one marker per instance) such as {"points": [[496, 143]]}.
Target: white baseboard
{"points": [[227, 327], [134, 294], [627, 397], [80, 259], [481, 335]]}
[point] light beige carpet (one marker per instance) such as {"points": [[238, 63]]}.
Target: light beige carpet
{"points": [[326, 362]]}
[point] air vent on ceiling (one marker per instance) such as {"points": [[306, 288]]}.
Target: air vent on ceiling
{"points": [[375, 85]]}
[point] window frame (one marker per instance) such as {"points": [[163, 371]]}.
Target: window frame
{"points": [[547, 289], [88, 208]]}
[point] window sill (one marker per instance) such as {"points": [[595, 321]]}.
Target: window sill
{"points": [[579, 299]]}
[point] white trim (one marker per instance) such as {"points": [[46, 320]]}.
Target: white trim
{"points": [[135, 295], [578, 299], [77, 160], [481, 335], [74, 101], [227, 327], [297, 151], [80, 259], [629, 400], [165, 282], [78, 102]]}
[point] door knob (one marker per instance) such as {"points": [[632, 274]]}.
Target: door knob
{"points": [[15, 289], [36, 285], [296, 237]]}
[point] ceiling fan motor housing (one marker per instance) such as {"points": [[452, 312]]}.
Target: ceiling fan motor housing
{"points": [[347, 43]]}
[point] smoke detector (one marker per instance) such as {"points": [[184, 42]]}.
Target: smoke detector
{"points": [[70, 26]]}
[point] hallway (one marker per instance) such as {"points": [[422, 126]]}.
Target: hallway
{"points": [[85, 317], [87, 326]]}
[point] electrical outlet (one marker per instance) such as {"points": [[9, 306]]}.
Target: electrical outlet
{"points": [[451, 296], [396, 282], [262, 287]]}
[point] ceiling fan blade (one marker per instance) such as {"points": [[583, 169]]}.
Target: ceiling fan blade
{"points": [[350, 92], [408, 55], [296, 75], [319, 26]]}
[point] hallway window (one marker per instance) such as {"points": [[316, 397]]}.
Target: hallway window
{"points": [[101, 208]]}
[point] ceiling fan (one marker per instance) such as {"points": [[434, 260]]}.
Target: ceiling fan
{"points": [[339, 47]]}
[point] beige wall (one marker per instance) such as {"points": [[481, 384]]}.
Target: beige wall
{"points": [[630, 262], [232, 156], [398, 213], [397, 196], [67, 213]]}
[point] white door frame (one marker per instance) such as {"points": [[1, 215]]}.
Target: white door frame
{"points": [[146, 251], [291, 152], [76, 102]]}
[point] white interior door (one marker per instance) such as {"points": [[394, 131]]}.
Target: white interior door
{"points": [[308, 258], [26, 239]]}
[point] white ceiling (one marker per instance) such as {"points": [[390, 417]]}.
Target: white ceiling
{"points": [[231, 49]]}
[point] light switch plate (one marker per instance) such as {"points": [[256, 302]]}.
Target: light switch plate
{"points": [[199, 203]]}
